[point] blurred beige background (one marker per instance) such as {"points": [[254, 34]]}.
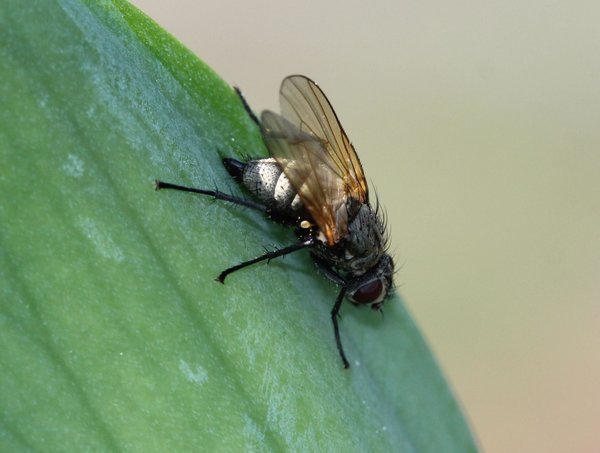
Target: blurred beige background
{"points": [[477, 122]]}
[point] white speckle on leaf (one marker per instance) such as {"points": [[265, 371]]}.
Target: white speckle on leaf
{"points": [[255, 435], [102, 241], [43, 101], [73, 166], [91, 111], [198, 375]]}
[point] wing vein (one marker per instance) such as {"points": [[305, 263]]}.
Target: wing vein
{"points": [[314, 152]]}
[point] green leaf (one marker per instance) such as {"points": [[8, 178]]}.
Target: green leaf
{"points": [[113, 333]]}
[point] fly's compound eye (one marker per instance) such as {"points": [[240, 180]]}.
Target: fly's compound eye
{"points": [[372, 288], [370, 293]]}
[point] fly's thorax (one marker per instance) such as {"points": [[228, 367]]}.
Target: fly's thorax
{"points": [[365, 243], [362, 246], [267, 182]]}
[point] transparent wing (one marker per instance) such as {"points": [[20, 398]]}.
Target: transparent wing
{"points": [[305, 105], [315, 154], [300, 156]]}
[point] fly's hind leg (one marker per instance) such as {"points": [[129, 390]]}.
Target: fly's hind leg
{"points": [[217, 195], [242, 202], [251, 114]]}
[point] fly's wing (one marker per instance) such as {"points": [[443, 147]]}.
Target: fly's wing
{"points": [[316, 155], [301, 157]]}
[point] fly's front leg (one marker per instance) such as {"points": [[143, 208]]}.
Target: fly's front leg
{"points": [[336, 330], [325, 269]]}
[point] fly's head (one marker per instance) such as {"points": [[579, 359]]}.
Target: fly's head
{"points": [[372, 287]]}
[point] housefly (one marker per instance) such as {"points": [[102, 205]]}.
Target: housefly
{"points": [[314, 183]]}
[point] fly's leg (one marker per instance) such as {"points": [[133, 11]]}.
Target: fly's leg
{"points": [[242, 202], [336, 330], [267, 256], [333, 276], [246, 106], [217, 195], [326, 270]]}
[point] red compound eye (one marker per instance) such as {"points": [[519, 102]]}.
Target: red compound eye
{"points": [[369, 292]]}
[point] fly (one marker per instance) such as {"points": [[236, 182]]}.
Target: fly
{"points": [[314, 183]]}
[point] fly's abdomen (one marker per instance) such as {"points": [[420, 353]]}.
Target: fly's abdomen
{"points": [[267, 182]]}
